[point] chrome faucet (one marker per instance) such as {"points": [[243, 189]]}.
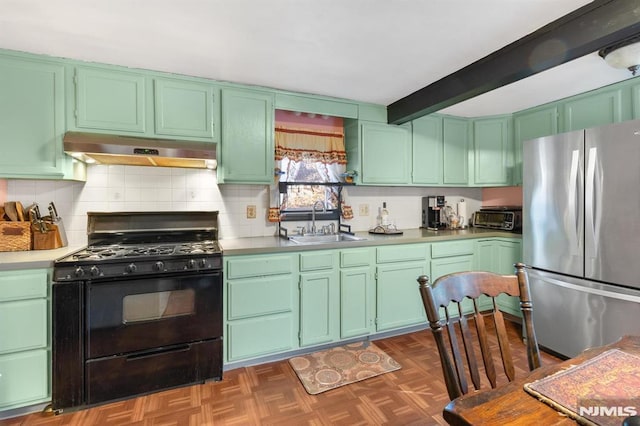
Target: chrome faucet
{"points": [[313, 215]]}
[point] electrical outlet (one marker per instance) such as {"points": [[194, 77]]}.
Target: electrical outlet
{"points": [[364, 209], [251, 211]]}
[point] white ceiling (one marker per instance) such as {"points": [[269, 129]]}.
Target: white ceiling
{"points": [[367, 50]]}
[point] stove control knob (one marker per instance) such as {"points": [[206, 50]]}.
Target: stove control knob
{"points": [[203, 263], [131, 268], [79, 272], [159, 266], [191, 264], [95, 271]]}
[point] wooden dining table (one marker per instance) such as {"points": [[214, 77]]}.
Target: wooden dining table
{"points": [[512, 405]]}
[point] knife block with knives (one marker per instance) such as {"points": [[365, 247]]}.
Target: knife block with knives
{"points": [[48, 231]]}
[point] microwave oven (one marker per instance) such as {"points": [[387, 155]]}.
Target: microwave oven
{"points": [[506, 219]]}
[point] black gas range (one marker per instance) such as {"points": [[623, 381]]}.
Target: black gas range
{"points": [[105, 260], [139, 309]]}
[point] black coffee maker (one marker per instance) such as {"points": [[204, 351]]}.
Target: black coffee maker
{"points": [[431, 209]]}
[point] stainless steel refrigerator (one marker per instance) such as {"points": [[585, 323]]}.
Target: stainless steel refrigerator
{"points": [[581, 235]]}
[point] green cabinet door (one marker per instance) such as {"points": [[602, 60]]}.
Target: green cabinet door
{"points": [[355, 293], [247, 151], [319, 300], [427, 150], [532, 124], [492, 151], [499, 256], [110, 100], [386, 154], [398, 302], [260, 305], [455, 151], [592, 110], [24, 338], [186, 109], [635, 101], [449, 265], [31, 118]]}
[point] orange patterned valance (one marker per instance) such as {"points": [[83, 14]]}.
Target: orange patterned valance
{"points": [[310, 145]]}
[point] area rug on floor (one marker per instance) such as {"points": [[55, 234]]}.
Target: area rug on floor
{"points": [[331, 368]]}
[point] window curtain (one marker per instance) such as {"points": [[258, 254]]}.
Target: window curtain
{"points": [[309, 156]]}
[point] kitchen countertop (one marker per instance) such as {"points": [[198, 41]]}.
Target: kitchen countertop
{"points": [[33, 259], [257, 245]]}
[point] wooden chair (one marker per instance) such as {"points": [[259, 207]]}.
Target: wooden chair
{"points": [[456, 287]]}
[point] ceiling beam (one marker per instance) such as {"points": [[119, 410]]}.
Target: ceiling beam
{"points": [[590, 28]]}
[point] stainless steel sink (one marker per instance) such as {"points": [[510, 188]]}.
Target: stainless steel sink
{"points": [[324, 239]]}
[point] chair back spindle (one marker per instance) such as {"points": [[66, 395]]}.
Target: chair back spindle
{"points": [[443, 303]]}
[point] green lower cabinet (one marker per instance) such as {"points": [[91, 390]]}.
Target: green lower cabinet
{"points": [[261, 305], [356, 292], [398, 302], [319, 297], [24, 338], [499, 256], [449, 265], [260, 336], [355, 289], [319, 301]]}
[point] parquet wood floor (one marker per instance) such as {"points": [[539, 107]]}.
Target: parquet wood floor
{"points": [[271, 394]]}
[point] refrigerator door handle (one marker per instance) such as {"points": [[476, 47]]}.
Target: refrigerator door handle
{"points": [[574, 221], [593, 211]]}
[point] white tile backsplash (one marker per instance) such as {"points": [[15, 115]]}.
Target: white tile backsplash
{"points": [[131, 188]]}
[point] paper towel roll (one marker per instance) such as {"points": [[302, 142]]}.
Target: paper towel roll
{"points": [[462, 212]]}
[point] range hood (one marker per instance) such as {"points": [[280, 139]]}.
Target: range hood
{"points": [[96, 148]]}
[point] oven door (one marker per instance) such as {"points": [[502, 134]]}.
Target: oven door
{"points": [[133, 315]]}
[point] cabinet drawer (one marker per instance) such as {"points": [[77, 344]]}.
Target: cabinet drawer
{"points": [[356, 257], [259, 336], [402, 253], [16, 285], [23, 325], [258, 266], [452, 248], [259, 296], [24, 378], [316, 261]]}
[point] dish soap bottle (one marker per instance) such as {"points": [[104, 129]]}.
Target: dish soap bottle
{"points": [[384, 215]]}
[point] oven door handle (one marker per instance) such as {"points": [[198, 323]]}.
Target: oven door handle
{"points": [[158, 351]]}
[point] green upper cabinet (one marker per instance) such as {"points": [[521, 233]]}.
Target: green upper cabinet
{"points": [[109, 100], [531, 124], [427, 150], [31, 118], [592, 109], [492, 151], [315, 105], [635, 101], [381, 153], [455, 151], [247, 151], [185, 108]]}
